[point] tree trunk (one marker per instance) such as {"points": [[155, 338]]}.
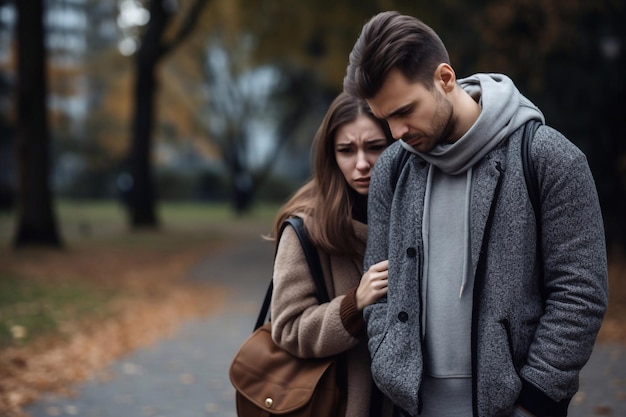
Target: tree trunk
{"points": [[142, 194], [36, 219]]}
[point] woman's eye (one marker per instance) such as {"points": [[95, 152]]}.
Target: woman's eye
{"points": [[378, 145]]}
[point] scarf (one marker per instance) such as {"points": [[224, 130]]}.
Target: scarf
{"points": [[503, 110]]}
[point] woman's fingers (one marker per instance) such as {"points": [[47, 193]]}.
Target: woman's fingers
{"points": [[380, 266], [373, 284]]}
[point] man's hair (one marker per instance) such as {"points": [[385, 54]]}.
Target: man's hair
{"points": [[391, 40]]}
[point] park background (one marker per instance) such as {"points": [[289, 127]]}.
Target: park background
{"points": [[137, 136]]}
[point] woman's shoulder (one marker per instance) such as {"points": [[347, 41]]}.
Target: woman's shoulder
{"points": [[288, 231]]}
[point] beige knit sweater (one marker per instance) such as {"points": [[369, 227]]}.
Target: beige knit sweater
{"points": [[306, 329]]}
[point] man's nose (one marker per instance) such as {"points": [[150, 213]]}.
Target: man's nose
{"points": [[397, 129]]}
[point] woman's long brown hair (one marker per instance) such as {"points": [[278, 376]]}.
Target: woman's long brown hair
{"points": [[325, 199]]}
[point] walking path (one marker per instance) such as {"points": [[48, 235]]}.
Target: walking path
{"points": [[186, 375]]}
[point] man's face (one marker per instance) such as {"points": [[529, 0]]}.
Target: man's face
{"points": [[420, 117]]}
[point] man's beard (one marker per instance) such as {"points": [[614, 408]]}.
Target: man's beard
{"points": [[442, 126]]}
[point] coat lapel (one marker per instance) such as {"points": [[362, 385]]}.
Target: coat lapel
{"points": [[485, 177]]}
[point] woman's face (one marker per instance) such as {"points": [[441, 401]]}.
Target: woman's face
{"points": [[358, 145]]}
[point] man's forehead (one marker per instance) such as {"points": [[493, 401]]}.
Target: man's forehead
{"points": [[391, 96], [386, 106]]}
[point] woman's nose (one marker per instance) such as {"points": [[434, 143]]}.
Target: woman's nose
{"points": [[362, 163]]}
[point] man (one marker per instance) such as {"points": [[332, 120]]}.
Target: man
{"points": [[472, 324]]}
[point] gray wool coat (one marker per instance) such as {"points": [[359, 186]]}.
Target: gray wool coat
{"points": [[524, 350]]}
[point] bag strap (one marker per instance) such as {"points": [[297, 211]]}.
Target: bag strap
{"points": [[532, 187], [530, 175], [313, 260]]}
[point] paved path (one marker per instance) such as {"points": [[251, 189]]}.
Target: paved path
{"points": [[186, 375]]}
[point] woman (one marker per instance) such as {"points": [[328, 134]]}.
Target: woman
{"points": [[334, 208]]}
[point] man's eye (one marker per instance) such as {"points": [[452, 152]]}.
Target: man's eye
{"points": [[403, 112]]}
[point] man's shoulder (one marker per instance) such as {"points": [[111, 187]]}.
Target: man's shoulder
{"points": [[385, 171], [393, 150], [388, 157], [550, 143]]}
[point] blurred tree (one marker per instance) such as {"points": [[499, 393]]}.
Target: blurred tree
{"points": [[252, 112], [568, 57], [7, 134], [7, 152], [36, 218], [153, 48]]}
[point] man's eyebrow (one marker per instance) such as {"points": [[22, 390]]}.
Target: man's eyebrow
{"points": [[399, 111]]}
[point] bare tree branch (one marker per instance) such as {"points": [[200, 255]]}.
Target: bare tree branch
{"points": [[189, 23]]}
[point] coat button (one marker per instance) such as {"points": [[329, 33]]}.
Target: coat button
{"points": [[403, 316], [411, 252]]}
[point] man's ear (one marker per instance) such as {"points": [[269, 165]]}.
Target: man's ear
{"points": [[445, 77]]}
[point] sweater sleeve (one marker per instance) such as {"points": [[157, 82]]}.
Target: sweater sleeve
{"points": [[351, 317]]}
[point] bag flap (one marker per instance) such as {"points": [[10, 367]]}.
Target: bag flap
{"points": [[272, 378]]}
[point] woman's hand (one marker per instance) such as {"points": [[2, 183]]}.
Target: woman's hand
{"points": [[373, 285]]}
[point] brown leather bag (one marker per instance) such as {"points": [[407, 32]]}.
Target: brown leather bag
{"points": [[270, 381]]}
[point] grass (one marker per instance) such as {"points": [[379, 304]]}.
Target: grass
{"points": [[30, 308], [83, 222], [43, 292]]}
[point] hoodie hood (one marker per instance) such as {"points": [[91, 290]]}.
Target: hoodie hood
{"points": [[503, 110]]}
